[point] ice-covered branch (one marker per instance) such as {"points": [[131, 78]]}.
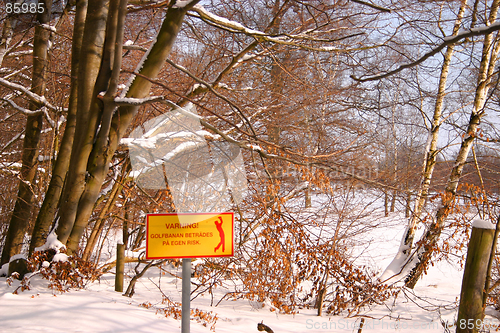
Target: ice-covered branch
{"points": [[446, 41]]}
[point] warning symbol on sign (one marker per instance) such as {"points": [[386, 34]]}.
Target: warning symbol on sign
{"points": [[221, 235]]}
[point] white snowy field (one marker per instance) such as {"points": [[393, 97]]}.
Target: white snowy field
{"points": [[98, 308]]}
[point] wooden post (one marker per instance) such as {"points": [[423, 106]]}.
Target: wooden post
{"points": [[120, 267], [470, 311]]}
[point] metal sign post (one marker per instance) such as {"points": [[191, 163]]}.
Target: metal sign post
{"points": [[186, 295], [186, 236]]}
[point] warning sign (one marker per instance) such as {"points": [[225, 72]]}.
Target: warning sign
{"points": [[189, 235]]}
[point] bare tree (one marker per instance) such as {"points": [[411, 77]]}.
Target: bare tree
{"points": [[25, 198]]}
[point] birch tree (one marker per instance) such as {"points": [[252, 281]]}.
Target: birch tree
{"points": [[431, 151], [489, 57], [411, 262]]}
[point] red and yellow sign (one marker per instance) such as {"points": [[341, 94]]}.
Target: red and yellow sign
{"points": [[189, 235]]}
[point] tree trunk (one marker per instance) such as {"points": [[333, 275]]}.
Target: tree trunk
{"points": [[86, 122], [432, 145], [120, 267], [23, 208], [99, 224], [408, 203], [406, 244], [7, 32], [111, 133], [386, 203], [430, 238], [273, 128], [393, 201], [50, 203]]}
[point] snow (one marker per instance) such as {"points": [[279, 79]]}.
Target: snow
{"points": [[16, 257], [51, 243], [256, 148], [60, 257], [131, 79], [395, 272], [182, 3], [135, 101], [227, 23], [482, 224], [98, 308], [51, 28], [4, 270]]}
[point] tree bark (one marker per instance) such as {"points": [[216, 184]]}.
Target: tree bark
{"points": [[7, 32], [86, 122], [429, 162], [432, 146], [23, 208], [110, 133], [431, 237], [99, 224], [50, 203]]}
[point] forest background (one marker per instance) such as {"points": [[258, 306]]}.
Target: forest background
{"points": [[321, 99]]}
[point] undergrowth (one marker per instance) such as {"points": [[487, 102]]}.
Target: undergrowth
{"points": [[62, 272]]}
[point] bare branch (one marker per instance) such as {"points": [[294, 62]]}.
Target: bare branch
{"points": [[31, 112], [309, 161], [446, 41], [12, 141], [382, 9], [31, 95], [120, 101], [290, 40]]}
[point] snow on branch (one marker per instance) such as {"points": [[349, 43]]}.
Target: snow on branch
{"points": [[31, 95], [291, 40], [365, 3], [19, 53], [225, 23], [184, 3], [134, 47], [119, 101], [49, 27], [446, 41], [31, 112], [219, 134]]}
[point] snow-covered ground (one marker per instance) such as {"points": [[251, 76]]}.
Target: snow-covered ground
{"points": [[98, 308]]}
